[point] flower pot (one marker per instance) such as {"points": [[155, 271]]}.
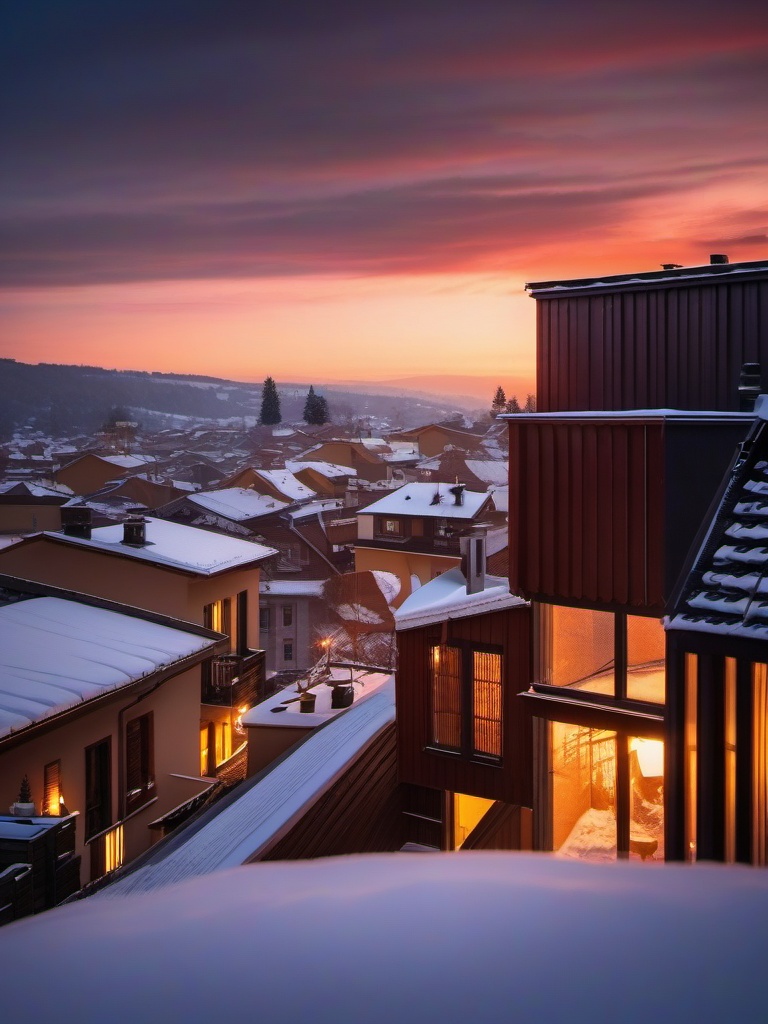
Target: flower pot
{"points": [[307, 703], [342, 696], [22, 810]]}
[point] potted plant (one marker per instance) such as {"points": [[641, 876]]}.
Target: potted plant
{"points": [[306, 699], [24, 807]]}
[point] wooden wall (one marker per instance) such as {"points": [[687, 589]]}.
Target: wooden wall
{"points": [[677, 346], [360, 813], [603, 511], [510, 781]]}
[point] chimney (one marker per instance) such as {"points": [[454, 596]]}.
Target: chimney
{"points": [[76, 521], [718, 257], [473, 559], [749, 386], [458, 493], [135, 528]]}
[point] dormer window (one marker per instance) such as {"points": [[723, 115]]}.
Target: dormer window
{"points": [[391, 527]]}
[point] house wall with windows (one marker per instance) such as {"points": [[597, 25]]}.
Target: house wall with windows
{"points": [[174, 710], [464, 740]]}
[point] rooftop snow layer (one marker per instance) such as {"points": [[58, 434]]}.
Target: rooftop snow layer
{"points": [[418, 499], [176, 546], [237, 503], [286, 483], [673, 942], [446, 597], [234, 834], [326, 469], [55, 654]]}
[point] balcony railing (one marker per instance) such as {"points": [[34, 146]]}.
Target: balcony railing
{"points": [[235, 680]]}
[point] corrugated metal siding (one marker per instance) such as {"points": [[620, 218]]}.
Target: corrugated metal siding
{"points": [[511, 782], [588, 513], [657, 347]]}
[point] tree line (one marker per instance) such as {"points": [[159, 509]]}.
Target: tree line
{"points": [[316, 410], [501, 404]]}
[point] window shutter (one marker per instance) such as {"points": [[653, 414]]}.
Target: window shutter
{"points": [[51, 787]]}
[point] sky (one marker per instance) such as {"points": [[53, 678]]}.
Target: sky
{"points": [[358, 190]]}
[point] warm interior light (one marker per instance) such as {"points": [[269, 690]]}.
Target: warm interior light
{"points": [[650, 757]]}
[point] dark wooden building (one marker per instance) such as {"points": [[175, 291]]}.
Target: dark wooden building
{"points": [[675, 338], [609, 484], [464, 741]]}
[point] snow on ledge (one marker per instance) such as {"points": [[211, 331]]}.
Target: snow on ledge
{"points": [[446, 597], [449, 937]]}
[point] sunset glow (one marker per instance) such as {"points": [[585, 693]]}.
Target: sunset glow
{"points": [[359, 191]]}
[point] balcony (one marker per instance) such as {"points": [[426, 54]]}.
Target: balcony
{"points": [[235, 680]]}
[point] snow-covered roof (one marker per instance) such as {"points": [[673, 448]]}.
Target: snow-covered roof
{"points": [[418, 499], [500, 497], [683, 415], [726, 591], [286, 483], [326, 469], [490, 471], [237, 503], [176, 546], [36, 490], [127, 461], [292, 588], [282, 709], [235, 834], [313, 508], [55, 654], [446, 597], [645, 944]]}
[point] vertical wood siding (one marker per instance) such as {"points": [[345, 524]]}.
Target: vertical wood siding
{"points": [[510, 781], [660, 347], [586, 511], [360, 813]]}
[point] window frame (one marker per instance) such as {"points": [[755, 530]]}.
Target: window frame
{"points": [[468, 685], [142, 790], [98, 775]]}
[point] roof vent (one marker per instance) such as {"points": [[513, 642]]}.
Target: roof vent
{"points": [[671, 266], [135, 528], [473, 559], [718, 257], [76, 521], [749, 386], [458, 494], [435, 498]]}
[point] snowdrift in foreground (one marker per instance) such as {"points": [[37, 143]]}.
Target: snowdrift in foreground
{"points": [[405, 937]]}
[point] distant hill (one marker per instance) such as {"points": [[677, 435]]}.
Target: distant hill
{"points": [[63, 400], [472, 391]]}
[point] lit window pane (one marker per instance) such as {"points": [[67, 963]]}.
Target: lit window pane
{"points": [[645, 659], [487, 697], [583, 792], [582, 649], [646, 804]]}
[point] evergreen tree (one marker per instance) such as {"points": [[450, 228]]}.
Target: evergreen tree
{"points": [[310, 405], [270, 404], [323, 415], [499, 402], [530, 404], [513, 405], [315, 408]]}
